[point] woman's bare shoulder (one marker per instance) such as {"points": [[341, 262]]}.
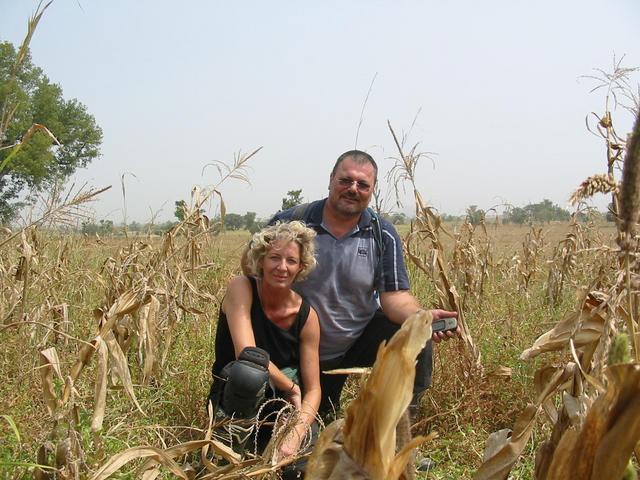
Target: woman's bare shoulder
{"points": [[238, 290], [239, 282]]}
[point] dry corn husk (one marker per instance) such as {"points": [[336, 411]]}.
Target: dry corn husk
{"points": [[148, 338], [584, 327], [505, 447], [100, 395], [50, 364], [363, 447], [601, 449], [154, 454]]}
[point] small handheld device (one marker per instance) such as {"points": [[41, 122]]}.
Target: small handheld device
{"points": [[444, 325]]}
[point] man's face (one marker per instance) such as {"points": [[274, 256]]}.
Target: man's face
{"points": [[351, 187]]}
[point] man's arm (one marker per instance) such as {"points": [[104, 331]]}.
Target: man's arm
{"points": [[398, 305]]}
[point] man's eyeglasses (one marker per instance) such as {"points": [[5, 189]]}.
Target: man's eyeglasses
{"points": [[362, 186]]}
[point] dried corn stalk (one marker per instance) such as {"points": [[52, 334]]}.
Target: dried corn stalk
{"points": [[600, 450], [505, 447], [426, 230], [363, 446], [594, 434], [470, 260], [584, 326], [532, 252]]}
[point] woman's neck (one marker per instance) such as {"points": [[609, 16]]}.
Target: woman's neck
{"points": [[272, 296]]}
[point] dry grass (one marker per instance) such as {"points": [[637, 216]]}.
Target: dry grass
{"points": [[71, 276], [107, 344]]}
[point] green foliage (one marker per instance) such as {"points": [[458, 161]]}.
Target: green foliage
{"points": [[12, 456], [135, 227], [181, 208], [27, 97], [475, 215], [450, 218], [545, 211], [256, 227], [619, 349], [160, 228], [630, 472], [249, 219], [396, 218], [516, 215], [12, 424], [251, 224], [293, 198], [104, 227], [233, 221]]}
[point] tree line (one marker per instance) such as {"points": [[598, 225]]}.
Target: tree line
{"points": [[44, 138], [542, 212]]}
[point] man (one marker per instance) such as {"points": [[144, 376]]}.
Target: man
{"points": [[360, 301]]}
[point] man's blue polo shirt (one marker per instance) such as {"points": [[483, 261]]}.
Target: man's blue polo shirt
{"points": [[341, 288]]}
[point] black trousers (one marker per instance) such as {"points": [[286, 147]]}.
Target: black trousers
{"points": [[363, 354]]}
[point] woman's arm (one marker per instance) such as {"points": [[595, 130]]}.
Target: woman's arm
{"points": [[310, 374], [237, 307]]}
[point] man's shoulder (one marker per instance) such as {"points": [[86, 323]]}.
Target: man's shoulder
{"points": [[307, 212], [387, 226]]}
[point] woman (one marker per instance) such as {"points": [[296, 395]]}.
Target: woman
{"points": [[261, 310]]}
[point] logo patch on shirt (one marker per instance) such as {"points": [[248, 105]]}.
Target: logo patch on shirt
{"points": [[363, 251]]}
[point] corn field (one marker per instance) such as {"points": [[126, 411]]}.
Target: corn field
{"points": [[107, 343]]}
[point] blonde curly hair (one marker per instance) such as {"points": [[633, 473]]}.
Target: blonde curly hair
{"points": [[263, 240]]}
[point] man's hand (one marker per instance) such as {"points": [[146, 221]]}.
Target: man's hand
{"points": [[437, 337]]}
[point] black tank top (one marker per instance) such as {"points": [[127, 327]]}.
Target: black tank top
{"points": [[283, 345]]}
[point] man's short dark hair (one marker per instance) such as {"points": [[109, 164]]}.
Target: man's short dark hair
{"points": [[359, 157]]}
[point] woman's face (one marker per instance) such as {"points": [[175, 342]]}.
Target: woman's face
{"points": [[281, 264]]}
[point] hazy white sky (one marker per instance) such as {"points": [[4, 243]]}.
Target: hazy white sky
{"points": [[177, 85]]}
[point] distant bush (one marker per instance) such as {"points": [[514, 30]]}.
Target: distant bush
{"points": [[543, 212]]}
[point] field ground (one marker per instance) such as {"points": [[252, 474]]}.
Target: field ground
{"points": [[67, 279]]}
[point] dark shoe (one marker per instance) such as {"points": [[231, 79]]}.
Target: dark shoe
{"points": [[424, 464], [235, 433]]}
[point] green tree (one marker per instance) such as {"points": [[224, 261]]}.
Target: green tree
{"points": [[181, 208], [396, 218], [29, 155], [516, 215], [135, 227], [233, 221], [450, 218], [475, 215], [257, 226], [105, 227], [293, 198], [249, 219], [544, 211]]}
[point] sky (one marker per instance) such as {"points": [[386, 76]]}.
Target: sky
{"points": [[495, 90]]}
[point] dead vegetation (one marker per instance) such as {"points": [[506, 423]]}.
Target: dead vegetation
{"points": [[106, 344]]}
